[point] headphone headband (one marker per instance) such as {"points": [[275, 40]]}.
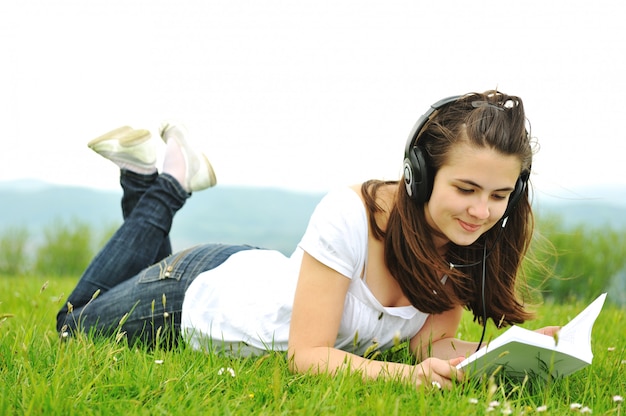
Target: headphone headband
{"points": [[421, 122]]}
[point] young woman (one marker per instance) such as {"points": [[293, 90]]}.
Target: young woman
{"points": [[379, 262]]}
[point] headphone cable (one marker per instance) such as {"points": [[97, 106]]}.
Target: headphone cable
{"points": [[483, 279], [482, 292]]}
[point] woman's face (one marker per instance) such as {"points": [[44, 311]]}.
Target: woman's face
{"points": [[470, 193]]}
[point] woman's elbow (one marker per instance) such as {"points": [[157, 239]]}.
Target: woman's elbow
{"points": [[305, 359], [295, 359]]}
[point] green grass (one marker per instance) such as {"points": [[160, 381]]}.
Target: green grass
{"points": [[40, 375]]}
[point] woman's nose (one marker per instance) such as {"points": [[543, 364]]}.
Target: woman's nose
{"points": [[479, 209]]}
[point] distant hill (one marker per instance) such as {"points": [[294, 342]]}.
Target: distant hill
{"points": [[588, 214], [270, 218], [589, 206], [266, 217]]}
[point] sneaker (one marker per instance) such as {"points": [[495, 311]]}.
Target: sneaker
{"points": [[199, 172], [128, 148]]}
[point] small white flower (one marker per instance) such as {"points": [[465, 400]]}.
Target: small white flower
{"points": [[473, 401], [494, 403], [586, 410], [65, 334], [228, 370], [506, 411], [611, 349], [575, 406], [542, 408], [158, 361], [618, 399], [436, 384]]}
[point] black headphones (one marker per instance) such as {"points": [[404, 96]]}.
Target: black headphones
{"points": [[418, 176]]}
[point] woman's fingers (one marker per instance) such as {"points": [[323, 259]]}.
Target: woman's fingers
{"points": [[439, 373], [456, 361], [549, 330]]}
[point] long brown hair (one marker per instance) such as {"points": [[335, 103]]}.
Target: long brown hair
{"points": [[494, 120]]}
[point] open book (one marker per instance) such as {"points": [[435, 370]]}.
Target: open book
{"points": [[520, 351]]}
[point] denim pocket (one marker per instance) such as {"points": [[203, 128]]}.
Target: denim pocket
{"points": [[165, 269]]}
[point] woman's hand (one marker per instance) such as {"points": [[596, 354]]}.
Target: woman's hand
{"points": [[437, 373], [550, 331]]}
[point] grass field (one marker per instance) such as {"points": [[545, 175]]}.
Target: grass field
{"points": [[40, 375]]}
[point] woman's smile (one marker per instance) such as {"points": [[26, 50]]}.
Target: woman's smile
{"points": [[471, 228]]}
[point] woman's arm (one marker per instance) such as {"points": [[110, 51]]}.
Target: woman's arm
{"points": [[317, 311], [436, 338]]}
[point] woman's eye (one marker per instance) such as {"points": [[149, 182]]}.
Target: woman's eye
{"points": [[464, 190], [499, 197]]}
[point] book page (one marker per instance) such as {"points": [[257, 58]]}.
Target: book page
{"points": [[520, 351], [514, 347], [578, 330], [517, 359]]}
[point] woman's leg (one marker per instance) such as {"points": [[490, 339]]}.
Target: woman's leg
{"points": [[134, 186], [133, 247], [149, 204], [148, 306]]}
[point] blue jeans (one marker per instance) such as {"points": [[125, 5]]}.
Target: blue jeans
{"points": [[135, 273]]}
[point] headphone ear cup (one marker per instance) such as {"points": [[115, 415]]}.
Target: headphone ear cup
{"points": [[418, 180], [518, 192], [417, 177]]}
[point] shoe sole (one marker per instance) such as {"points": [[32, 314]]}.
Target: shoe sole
{"points": [[126, 136], [124, 146], [199, 181]]}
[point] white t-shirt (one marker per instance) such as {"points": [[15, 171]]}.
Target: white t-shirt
{"points": [[244, 305]]}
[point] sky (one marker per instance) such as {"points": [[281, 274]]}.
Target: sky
{"points": [[306, 95]]}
